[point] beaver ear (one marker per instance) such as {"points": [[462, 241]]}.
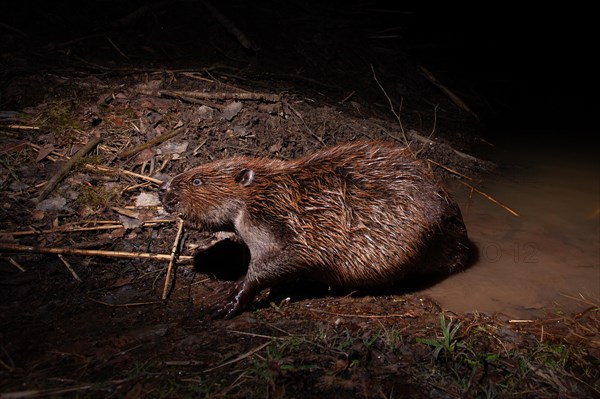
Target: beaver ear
{"points": [[245, 177]]}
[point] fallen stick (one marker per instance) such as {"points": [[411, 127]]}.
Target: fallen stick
{"points": [[24, 127], [222, 96], [490, 198], [151, 143], [449, 169], [172, 260], [39, 393], [71, 229], [16, 264], [90, 252], [62, 173], [118, 305], [61, 230], [409, 314], [122, 171], [241, 357], [229, 26], [68, 266], [455, 99], [426, 140]]}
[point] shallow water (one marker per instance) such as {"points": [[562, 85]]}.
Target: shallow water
{"points": [[548, 258]]}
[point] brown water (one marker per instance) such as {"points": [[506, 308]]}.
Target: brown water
{"points": [[548, 258]]}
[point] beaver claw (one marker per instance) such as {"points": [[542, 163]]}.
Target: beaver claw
{"points": [[225, 310], [234, 304]]}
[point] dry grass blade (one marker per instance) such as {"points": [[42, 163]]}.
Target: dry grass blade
{"points": [[69, 267], [396, 114], [16, 264], [237, 359], [489, 197]]}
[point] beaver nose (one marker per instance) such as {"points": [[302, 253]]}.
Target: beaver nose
{"points": [[165, 186]]}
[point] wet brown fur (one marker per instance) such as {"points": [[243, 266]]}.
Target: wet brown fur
{"points": [[355, 215]]}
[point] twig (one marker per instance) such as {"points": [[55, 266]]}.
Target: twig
{"points": [[67, 167], [117, 48], [70, 229], [68, 266], [256, 335], [123, 172], [90, 252], [183, 363], [196, 76], [119, 305], [229, 26], [454, 172], [12, 29], [140, 12], [237, 359], [23, 127], [396, 114], [583, 300], [427, 140], [16, 264], [373, 316], [434, 119], [155, 141], [269, 97], [453, 97], [10, 366], [38, 393], [172, 260], [299, 115], [295, 76], [55, 153], [490, 198]]}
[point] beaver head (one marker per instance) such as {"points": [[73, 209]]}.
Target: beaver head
{"points": [[210, 196]]}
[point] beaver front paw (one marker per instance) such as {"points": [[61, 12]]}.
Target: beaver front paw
{"points": [[226, 309], [239, 298]]}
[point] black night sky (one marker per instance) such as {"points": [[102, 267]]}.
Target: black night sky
{"points": [[528, 67]]}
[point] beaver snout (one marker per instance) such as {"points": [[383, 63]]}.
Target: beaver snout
{"points": [[166, 196], [165, 186]]}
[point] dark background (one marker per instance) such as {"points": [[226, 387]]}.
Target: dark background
{"points": [[518, 68]]}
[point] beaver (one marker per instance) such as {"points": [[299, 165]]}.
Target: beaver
{"points": [[359, 214]]}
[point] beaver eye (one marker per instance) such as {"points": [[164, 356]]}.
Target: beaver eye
{"points": [[196, 182]]}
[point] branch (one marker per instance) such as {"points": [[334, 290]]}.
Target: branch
{"points": [[455, 99], [90, 252], [229, 26], [151, 143], [268, 97], [62, 173], [172, 260]]}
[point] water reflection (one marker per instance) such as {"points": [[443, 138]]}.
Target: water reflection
{"points": [[543, 259]]}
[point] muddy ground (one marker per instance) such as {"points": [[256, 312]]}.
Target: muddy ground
{"points": [[176, 78]]}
